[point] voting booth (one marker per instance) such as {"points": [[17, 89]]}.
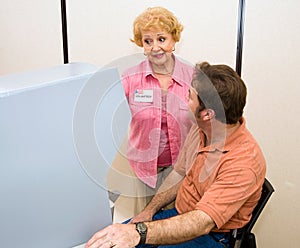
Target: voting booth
{"points": [[56, 146]]}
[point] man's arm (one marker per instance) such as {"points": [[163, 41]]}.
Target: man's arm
{"points": [[168, 231], [166, 194], [180, 228]]}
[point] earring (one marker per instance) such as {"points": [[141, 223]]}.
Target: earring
{"points": [[173, 49]]}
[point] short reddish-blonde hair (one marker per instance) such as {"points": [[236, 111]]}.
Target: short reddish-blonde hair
{"points": [[156, 18]]}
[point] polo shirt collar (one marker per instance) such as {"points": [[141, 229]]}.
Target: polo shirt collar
{"points": [[229, 143]]}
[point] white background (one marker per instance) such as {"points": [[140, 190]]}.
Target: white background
{"points": [[99, 33]]}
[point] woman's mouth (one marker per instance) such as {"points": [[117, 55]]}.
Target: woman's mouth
{"points": [[158, 56]]}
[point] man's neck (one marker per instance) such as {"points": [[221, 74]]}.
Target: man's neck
{"points": [[217, 131]]}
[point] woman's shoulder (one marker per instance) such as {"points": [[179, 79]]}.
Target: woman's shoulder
{"points": [[136, 69], [183, 63], [183, 71]]}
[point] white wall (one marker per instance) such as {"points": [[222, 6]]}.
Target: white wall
{"points": [[30, 35], [271, 69], [99, 32]]}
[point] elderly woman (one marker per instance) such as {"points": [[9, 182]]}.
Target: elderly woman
{"points": [[156, 91]]}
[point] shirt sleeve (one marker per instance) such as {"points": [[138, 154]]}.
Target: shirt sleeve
{"points": [[126, 85], [188, 152]]}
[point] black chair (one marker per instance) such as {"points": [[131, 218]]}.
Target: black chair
{"points": [[243, 237]]}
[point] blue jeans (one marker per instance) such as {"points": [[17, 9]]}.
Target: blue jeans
{"points": [[212, 240]]}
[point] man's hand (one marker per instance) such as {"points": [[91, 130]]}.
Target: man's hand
{"points": [[145, 215], [117, 236]]}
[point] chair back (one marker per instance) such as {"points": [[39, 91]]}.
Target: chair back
{"points": [[242, 237], [267, 191]]}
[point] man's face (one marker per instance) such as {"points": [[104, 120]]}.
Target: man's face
{"points": [[193, 103]]}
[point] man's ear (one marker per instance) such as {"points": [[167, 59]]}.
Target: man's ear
{"points": [[208, 114]]}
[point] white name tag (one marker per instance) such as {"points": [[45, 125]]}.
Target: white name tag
{"points": [[143, 95]]}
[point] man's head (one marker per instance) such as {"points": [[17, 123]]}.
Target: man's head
{"points": [[220, 89]]}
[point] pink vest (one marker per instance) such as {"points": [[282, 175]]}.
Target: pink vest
{"points": [[144, 97]]}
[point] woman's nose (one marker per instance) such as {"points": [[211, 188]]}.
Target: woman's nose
{"points": [[155, 46]]}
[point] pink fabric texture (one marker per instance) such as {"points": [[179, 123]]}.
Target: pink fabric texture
{"points": [[145, 127]]}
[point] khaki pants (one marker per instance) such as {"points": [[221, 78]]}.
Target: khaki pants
{"points": [[134, 194]]}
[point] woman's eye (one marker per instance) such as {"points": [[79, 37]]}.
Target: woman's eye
{"points": [[162, 39], [148, 42]]}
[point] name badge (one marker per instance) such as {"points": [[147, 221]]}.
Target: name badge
{"points": [[143, 95]]}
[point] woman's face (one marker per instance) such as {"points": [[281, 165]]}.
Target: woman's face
{"points": [[158, 46]]}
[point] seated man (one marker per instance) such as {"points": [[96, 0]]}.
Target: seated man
{"points": [[216, 181]]}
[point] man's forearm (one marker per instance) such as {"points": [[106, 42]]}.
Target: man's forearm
{"points": [[179, 228], [166, 193]]}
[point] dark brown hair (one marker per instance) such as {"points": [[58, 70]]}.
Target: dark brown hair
{"points": [[221, 89]]}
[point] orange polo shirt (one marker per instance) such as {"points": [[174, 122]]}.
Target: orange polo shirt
{"points": [[225, 179]]}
